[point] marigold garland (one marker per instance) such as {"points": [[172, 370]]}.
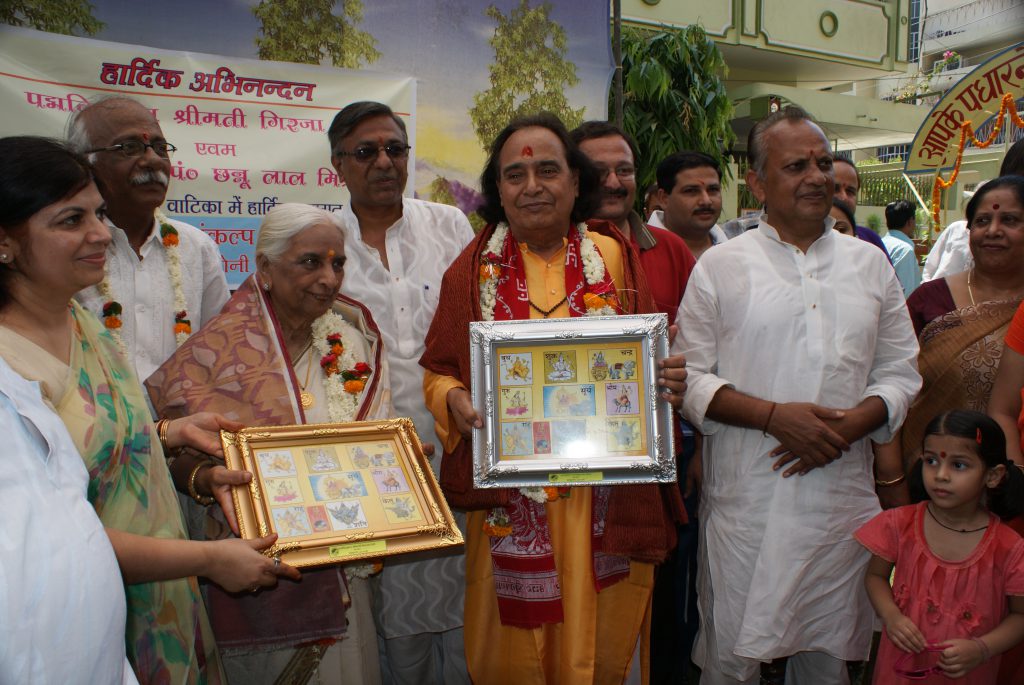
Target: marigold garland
{"points": [[112, 309], [1007, 106], [344, 376]]}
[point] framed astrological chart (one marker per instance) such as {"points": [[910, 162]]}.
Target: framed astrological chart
{"points": [[339, 492], [570, 402]]}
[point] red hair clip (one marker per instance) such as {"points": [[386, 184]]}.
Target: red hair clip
{"points": [[978, 435]]}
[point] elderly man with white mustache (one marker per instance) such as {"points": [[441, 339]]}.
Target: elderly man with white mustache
{"points": [[154, 264]]}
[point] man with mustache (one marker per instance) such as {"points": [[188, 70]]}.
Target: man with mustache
{"points": [[152, 262], [398, 249], [690, 191], [665, 258], [800, 351]]}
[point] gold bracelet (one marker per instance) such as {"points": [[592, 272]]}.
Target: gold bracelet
{"points": [[161, 432], [895, 481], [205, 500]]}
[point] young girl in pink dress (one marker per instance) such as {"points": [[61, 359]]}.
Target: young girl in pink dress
{"points": [[957, 596]]}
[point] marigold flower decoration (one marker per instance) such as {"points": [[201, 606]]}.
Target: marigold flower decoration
{"points": [[497, 524], [595, 301], [182, 323], [354, 378], [112, 315], [490, 267], [168, 234]]}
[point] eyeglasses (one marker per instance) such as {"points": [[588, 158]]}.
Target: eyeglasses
{"points": [[368, 153], [921, 665], [134, 148], [623, 172]]}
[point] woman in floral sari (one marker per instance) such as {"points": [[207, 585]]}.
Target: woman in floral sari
{"points": [[53, 244], [962, 319], [286, 349]]}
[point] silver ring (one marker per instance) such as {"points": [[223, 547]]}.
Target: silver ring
{"points": [[277, 562]]}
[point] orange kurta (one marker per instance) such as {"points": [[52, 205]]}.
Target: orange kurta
{"points": [[598, 638]]}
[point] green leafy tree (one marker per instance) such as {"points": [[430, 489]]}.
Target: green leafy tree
{"points": [[441, 193], [673, 97], [529, 73], [70, 17], [307, 31]]}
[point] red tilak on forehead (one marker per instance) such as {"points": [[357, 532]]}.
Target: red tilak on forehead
{"points": [[995, 206], [145, 137], [942, 454], [527, 151]]}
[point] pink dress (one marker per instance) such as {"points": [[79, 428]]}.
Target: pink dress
{"points": [[945, 599]]}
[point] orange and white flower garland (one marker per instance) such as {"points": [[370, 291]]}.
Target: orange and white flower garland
{"points": [[344, 375], [112, 309]]}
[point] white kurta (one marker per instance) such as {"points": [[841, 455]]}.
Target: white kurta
{"points": [[143, 287], [781, 571], [420, 593], [951, 253], [62, 604]]}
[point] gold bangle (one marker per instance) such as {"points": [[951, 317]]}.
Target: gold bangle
{"points": [[161, 432], [895, 481], [205, 500]]}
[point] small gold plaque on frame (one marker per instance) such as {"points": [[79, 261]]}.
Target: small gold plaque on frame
{"points": [[339, 492]]}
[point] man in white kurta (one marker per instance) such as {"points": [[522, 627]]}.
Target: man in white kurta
{"points": [[781, 327], [397, 251], [62, 605], [153, 282]]}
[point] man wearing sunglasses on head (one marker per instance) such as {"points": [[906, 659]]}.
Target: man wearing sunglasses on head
{"points": [[153, 263], [398, 249]]}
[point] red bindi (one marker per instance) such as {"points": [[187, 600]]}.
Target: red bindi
{"points": [[995, 206], [145, 137], [942, 454], [527, 151]]}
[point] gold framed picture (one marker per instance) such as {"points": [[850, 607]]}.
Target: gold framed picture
{"points": [[339, 492], [570, 402]]}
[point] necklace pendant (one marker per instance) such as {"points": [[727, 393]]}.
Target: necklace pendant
{"points": [[306, 399]]}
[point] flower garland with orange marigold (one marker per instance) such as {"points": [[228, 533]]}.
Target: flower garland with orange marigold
{"points": [[1007, 108], [345, 376], [113, 310]]}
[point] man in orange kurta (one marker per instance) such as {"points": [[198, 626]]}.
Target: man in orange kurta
{"points": [[600, 544]]}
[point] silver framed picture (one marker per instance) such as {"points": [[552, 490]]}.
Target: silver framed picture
{"points": [[570, 402]]}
